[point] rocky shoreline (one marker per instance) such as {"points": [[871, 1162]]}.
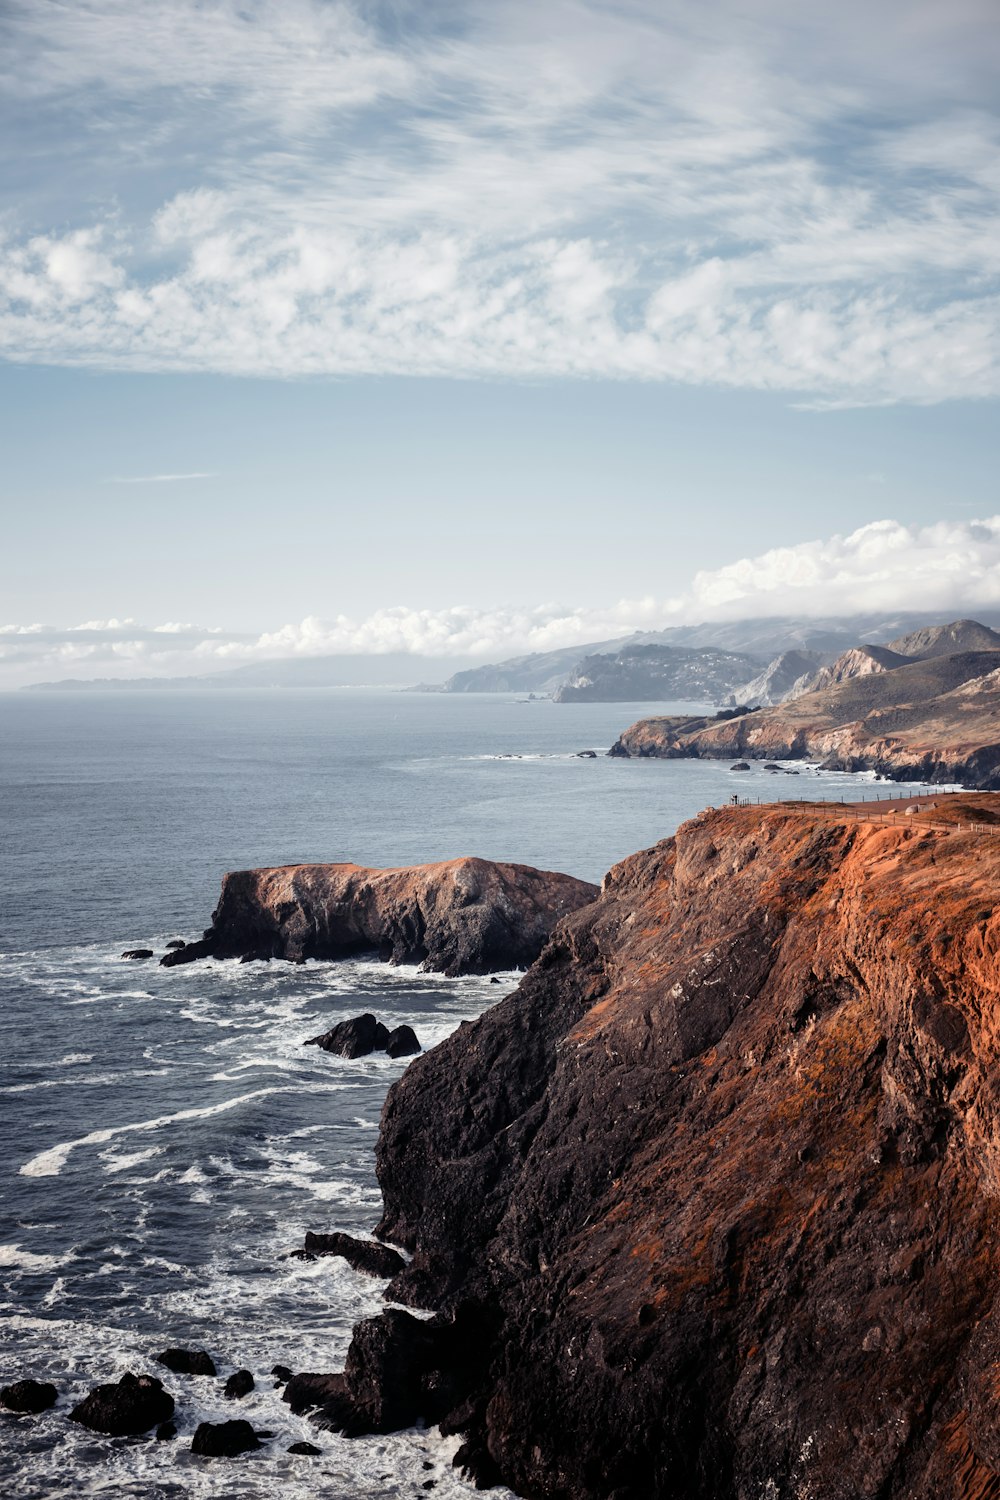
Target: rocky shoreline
{"points": [[706, 1207]]}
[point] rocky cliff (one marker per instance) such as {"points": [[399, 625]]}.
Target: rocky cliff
{"points": [[935, 720], [710, 1204], [465, 916]]}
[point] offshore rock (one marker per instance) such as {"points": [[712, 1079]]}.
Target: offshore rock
{"points": [[224, 1439], [402, 1042], [465, 916], [710, 1205], [355, 1038], [239, 1384], [187, 1361], [133, 1405], [138, 953], [30, 1396]]}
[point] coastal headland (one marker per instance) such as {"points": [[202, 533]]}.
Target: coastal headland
{"points": [[708, 1207], [918, 720], [462, 916]]}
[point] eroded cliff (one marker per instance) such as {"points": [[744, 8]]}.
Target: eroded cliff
{"points": [[709, 1204], [463, 916]]}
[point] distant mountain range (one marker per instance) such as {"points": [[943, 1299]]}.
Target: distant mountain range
{"points": [[749, 662]]}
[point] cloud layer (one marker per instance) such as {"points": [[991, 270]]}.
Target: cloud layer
{"points": [[940, 571], [742, 195]]}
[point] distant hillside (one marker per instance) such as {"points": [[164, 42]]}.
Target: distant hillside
{"points": [[782, 678], [388, 669], [945, 640], [657, 672], [539, 672]]}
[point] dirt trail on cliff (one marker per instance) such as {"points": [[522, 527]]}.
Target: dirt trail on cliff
{"points": [[710, 1203]]}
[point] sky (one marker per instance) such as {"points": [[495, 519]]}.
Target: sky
{"points": [[476, 328]]}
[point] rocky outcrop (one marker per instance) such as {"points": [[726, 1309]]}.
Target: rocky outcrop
{"points": [[466, 916], [28, 1396], [358, 1037], [936, 720], [239, 1384], [132, 1405], [709, 1205], [187, 1361]]}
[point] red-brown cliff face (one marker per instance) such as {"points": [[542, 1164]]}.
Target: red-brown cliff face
{"points": [[710, 1203], [464, 916]]}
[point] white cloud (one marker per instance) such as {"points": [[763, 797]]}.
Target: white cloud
{"points": [[941, 571], [157, 478], [745, 195]]}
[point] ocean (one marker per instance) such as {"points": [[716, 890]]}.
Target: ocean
{"points": [[166, 1138]]}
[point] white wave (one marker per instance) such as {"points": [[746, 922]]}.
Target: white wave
{"points": [[114, 1163], [51, 1162], [72, 1058], [12, 1256]]}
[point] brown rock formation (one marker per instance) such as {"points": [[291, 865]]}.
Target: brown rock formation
{"points": [[466, 916], [710, 1203], [934, 720]]}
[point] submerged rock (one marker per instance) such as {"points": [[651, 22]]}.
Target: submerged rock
{"points": [[138, 953], [224, 1439], [187, 1361], [28, 1396], [166, 1431], [176, 944], [133, 1405], [364, 1255], [305, 1450]]}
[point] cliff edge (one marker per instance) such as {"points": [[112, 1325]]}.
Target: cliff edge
{"points": [[709, 1205], [463, 916]]}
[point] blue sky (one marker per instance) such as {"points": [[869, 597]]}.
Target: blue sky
{"points": [[476, 328]]}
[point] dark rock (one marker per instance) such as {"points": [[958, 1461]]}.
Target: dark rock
{"points": [[307, 1390], [133, 1405], [166, 1431], [202, 948], [281, 1372], [402, 1042], [239, 1384], [187, 1361], [28, 1396], [307, 1450], [364, 1255], [224, 1439], [176, 943], [741, 765], [586, 755], [494, 980], [355, 1038], [138, 953]]}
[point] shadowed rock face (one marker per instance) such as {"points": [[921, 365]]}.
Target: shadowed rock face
{"points": [[723, 1174], [466, 916]]}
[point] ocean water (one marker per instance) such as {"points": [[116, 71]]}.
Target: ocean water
{"points": [[165, 1138]]}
